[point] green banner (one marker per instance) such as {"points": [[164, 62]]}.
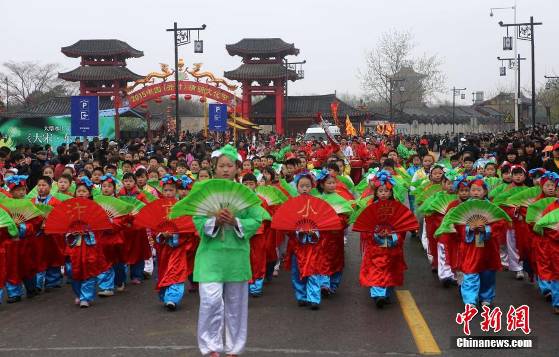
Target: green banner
{"points": [[49, 130]]}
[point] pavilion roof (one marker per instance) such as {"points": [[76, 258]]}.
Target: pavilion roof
{"points": [[257, 71], [99, 73], [262, 47], [101, 47]]}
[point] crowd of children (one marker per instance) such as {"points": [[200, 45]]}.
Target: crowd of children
{"points": [[474, 217]]}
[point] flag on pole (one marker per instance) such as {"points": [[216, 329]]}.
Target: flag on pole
{"points": [[349, 129]]}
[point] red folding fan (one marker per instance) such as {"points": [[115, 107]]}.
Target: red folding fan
{"points": [[155, 216], [77, 215], [306, 213], [390, 216]]}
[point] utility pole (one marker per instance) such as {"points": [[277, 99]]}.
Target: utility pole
{"points": [[181, 36], [526, 32]]}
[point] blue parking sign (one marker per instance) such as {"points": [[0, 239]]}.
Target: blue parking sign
{"points": [[85, 116], [217, 117]]}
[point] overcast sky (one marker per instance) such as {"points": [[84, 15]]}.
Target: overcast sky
{"points": [[333, 36]]}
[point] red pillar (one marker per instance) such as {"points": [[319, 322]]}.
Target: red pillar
{"points": [[245, 110], [279, 107]]}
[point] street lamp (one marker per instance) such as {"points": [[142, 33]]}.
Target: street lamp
{"points": [[182, 37], [554, 81], [516, 78], [526, 32], [456, 91], [515, 62]]}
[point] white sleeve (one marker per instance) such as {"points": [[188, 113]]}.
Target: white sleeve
{"points": [[239, 228], [210, 228]]}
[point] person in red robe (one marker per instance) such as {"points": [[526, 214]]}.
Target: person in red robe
{"points": [[450, 241], [48, 247], [479, 254], [171, 247], [85, 252], [112, 242], [304, 257], [21, 261], [258, 244], [136, 248], [548, 267], [514, 236], [382, 264]]}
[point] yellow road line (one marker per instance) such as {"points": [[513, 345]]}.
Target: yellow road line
{"points": [[422, 335]]}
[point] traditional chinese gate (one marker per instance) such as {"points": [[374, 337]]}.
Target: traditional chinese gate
{"points": [[211, 89]]}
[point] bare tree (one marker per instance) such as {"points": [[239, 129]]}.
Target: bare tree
{"points": [[32, 82], [548, 97], [393, 53]]}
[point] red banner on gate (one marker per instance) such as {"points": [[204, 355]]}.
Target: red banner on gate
{"points": [[185, 87]]}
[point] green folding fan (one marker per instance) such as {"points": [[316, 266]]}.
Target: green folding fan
{"points": [[492, 182], [359, 208], [535, 210], [500, 198], [7, 222], [149, 197], [472, 212], [523, 198], [21, 210], [154, 184], [421, 194], [340, 204], [549, 221], [497, 189], [61, 196], [136, 204], [45, 209], [113, 206], [272, 195], [346, 181], [437, 203], [216, 195], [289, 188]]}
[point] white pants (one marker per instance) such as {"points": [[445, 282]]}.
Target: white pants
{"points": [[444, 271], [425, 242], [223, 304], [514, 258]]}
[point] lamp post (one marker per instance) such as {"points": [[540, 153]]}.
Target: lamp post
{"points": [[526, 32], [298, 68], [390, 85], [454, 92], [517, 77], [515, 61], [181, 36]]}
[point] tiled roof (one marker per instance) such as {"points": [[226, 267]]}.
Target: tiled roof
{"points": [[304, 107], [443, 114], [101, 47], [97, 73], [257, 71], [262, 47]]}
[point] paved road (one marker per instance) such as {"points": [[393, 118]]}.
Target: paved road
{"points": [[133, 323]]}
